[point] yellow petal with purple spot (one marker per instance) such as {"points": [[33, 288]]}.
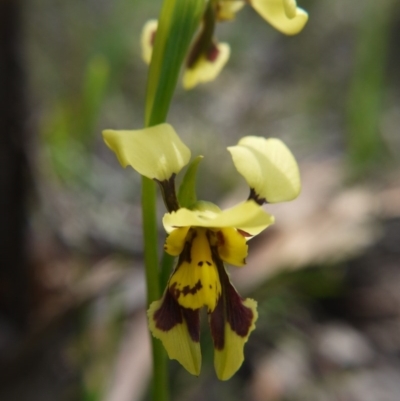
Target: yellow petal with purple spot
{"points": [[229, 359], [195, 281], [206, 69], [178, 330], [147, 39]]}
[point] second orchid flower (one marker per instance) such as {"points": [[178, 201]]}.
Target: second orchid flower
{"points": [[207, 56]]}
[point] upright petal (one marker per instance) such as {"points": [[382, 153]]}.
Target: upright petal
{"points": [[179, 331], [231, 324], [147, 39], [156, 152], [268, 166], [207, 67], [283, 15]]}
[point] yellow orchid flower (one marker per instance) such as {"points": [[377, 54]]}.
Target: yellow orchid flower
{"points": [[205, 66], [207, 57], [204, 240]]}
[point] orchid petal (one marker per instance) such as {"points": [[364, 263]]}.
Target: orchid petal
{"points": [[268, 167], [283, 15], [195, 282], [206, 69], [147, 39], [156, 152], [232, 246], [178, 330], [231, 324], [176, 241], [229, 359], [247, 216], [290, 8]]}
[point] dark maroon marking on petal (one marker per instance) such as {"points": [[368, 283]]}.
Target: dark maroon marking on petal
{"points": [[169, 314], [208, 263], [239, 316], [218, 315], [217, 325], [255, 197], [220, 238], [186, 254], [192, 290], [176, 292], [215, 256], [212, 53], [192, 318], [244, 233], [200, 263], [153, 37]]}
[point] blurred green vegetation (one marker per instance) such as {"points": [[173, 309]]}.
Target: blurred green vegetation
{"points": [[366, 147]]}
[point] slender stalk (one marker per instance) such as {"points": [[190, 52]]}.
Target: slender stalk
{"points": [[159, 388], [167, 261], [177, 24]]}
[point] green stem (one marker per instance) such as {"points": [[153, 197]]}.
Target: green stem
{"points": [[150, 238], [167, 261], [149, 214], [178, 22]]}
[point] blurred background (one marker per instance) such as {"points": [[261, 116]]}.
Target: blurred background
{"points": [[326, 276]]}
